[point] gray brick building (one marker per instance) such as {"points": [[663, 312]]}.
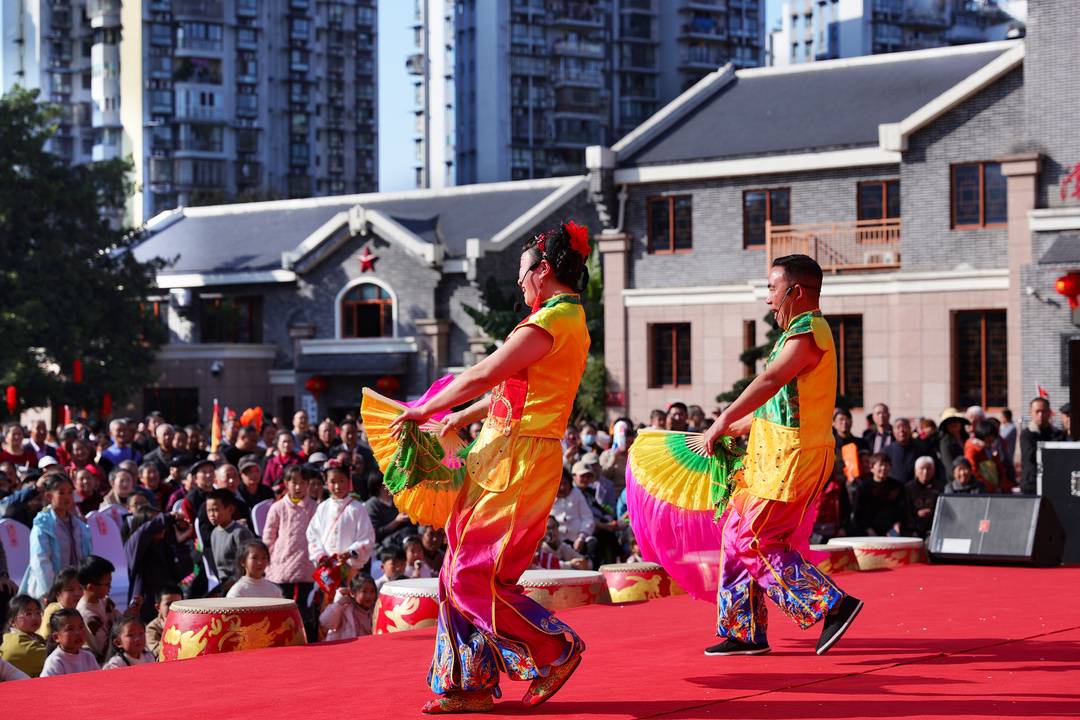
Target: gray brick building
{"points": [[353, 290], [927, 185]]}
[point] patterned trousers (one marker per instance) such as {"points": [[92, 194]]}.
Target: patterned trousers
{"points": [[758, 560]]}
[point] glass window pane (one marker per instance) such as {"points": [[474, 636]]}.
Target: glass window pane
{"points": [[892, 192], [660, 225], [754, 217], [968, 353], [997, 372], [682, 354], [966, 195], [995, 194], [870, 201], [683, 237], [780, 207], [662, 363]]}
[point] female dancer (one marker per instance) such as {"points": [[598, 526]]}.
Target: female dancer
{"points": [[512, 474]]}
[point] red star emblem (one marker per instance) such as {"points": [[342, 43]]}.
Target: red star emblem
{"points": [[367, 260]]}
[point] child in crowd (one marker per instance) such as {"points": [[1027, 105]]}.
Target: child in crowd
{"points": [[9, 672], [416, 565], [393, 566], [251, 563], [340, 526], [95, 606], [285, 534], [58, 539], [228, 535], [66, 591], [22, 646], [350, 615], [67, 633], [635, 549], [156, 627], [316, 483], [128, 645]]}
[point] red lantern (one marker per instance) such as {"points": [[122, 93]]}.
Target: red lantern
{"points": [[315, 385], [106, 405], [12, 399], [1069, 286], [388, 385], [76, 372]]}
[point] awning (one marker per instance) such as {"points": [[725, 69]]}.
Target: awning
{"points": [[1065, 250], [390, 363]]}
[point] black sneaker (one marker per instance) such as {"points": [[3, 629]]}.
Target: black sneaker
{"points": [[837, 622], [736, 647]]}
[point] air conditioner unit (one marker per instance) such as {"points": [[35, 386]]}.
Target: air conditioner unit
{"points": [[881, 257]]}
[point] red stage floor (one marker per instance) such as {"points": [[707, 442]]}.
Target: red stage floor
{"points": [[933, 642]]}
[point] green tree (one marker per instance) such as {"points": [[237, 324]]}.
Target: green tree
{"points": [[71, 289], [754, 355]]}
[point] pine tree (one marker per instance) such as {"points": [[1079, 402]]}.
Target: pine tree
{"points": [[754, 355]]}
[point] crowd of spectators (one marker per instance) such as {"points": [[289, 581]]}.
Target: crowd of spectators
{"points": [[186, 515]]}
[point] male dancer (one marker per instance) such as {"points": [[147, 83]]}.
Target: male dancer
{"points": [[788, 461]]}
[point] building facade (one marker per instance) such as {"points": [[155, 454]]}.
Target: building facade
{"points": [[934, 205], [515, 89], [311, 300], [212, 99], [813, 30]]}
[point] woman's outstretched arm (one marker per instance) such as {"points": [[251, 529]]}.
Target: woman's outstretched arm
{"points": [[525, 346]]}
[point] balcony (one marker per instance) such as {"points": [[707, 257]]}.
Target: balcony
{"points": [[579, 78], [703, 31], [202, 113], [924, 17], [703, 5], [632, 7], [209, 9], [838, 247], [578, 19], [103, 13], [580, 49]]}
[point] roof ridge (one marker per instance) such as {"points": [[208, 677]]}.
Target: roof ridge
{"points": [[377, 197], [879, 59]]}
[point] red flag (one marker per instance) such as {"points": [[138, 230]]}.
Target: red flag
{"points": [[1041, 392], [67, 415], [215, 429]]}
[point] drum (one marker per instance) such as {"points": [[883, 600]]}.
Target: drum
{"points": [[219, 625], [407, 605], [874, 553], [636, 582], [561, 589], [841, 558]]}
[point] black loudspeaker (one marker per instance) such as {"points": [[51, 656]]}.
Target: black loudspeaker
{"points": [[1059, 484], [996, 529]]}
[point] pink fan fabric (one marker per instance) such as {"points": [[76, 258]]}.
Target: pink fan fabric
{"points": [[687, 542]]}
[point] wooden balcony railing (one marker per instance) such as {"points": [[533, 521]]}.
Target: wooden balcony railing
{"points": [[838, 247]]}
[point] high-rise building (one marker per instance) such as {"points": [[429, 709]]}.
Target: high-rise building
{"points": [[515, 89], [828, 29], [211, 99]]}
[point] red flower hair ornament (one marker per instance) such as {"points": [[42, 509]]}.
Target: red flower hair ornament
{"points": [[579, 239]]}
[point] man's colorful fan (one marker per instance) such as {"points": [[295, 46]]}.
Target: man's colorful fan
{"points": [[675, 494], [422, 469]]}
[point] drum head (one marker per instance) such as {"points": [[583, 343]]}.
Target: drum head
{"points": [[240, 604], [412, 587]]}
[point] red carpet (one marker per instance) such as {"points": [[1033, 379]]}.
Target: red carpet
{"points": [[933, 642]]}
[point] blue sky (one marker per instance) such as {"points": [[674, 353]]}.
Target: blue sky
{"points": [[395, 92]]}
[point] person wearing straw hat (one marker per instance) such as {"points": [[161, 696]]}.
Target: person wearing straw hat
{"points": [[953, 428]]}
